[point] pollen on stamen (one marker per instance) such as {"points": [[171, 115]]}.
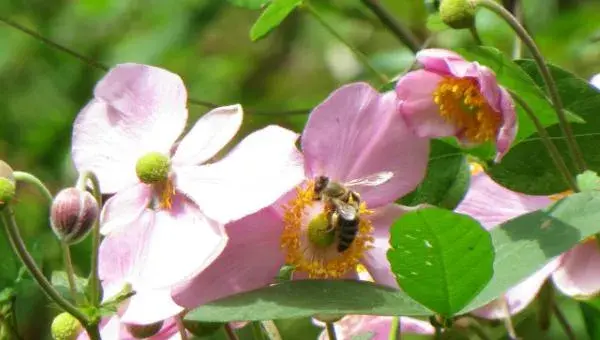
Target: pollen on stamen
{"points": [[312, 259], [166, 191], [462, 104]]}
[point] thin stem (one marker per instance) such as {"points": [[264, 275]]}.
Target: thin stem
{"points": [[331, 331], [361, 57], [559, 162], [562, 320], [257, 332], [438, 332], [69, 269], [395, 329], [181, 328], [518, 44], [12, 230], [271, 330], [510, 328], [98, 65], [546, 75], [400, 31], [94, 281], [230, 332], [21, 176], [476, 35]]}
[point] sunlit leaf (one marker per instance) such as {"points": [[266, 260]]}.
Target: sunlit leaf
{"points": [[275, 13], [250, 4]]}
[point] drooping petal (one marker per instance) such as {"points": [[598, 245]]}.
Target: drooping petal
{"points": [[436, 59], [491, 204], [579, 271], [181, 243], [261, 168], [137, 109], [378, 327], [357, 132], [415, 92], [508, 130], [375, 260], [519, 296], [124, 207], [209, 135], [150, 306], [251, 260]]}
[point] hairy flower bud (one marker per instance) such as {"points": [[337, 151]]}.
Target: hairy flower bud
{"points": [[7, 184], [458, 13], [202, 328], [65, 327], [73, 214], [144, 331]]}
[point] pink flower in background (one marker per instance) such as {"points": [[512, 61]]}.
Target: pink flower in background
{"points": [[353, 134], [453, 97], [378, 327], [165, 221]]}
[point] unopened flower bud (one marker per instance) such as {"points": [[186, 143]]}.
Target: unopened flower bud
{"points": [[458, 13], [7, 184], [201, 328], [144, 331], [73, 214], [153, 167], [65, 327]]}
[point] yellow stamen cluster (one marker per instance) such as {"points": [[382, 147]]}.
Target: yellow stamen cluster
{"points": [[313, 259], [166, 191], [462, 104]]}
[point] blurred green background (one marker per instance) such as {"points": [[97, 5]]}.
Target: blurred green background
{"points": [[207, 43]]}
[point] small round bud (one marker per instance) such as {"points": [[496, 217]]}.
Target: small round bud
{"points": [[73, 214], [319, 231], [202, 328], [153, 168], [144, 331], [7, 184], [65, 327], [458, 13]]}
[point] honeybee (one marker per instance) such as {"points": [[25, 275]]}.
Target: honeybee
{"points": [[343, 204]]}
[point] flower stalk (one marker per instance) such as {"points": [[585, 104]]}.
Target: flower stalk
{"points": [[400, 31], [546, 75], [395, 329], [331, 331], [69, 270]]}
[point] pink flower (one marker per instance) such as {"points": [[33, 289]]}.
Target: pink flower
{"points": [[165, 222], [113, 329], [575, 273], [453, 97], [379, 327], [353, 134]]}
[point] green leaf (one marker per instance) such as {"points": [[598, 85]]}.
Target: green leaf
{"points": [[521, 172], [440, 258], [60, 282], [591, 317], [588, 181], [303, 298], [250, 4], [272, 17], [447, 178], [527, 243], [512, 77]]}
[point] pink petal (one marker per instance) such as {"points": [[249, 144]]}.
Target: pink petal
{"points": [[262, 167], [579, 272], [375, 260], [251, 260], [150, 306], [180, 244], [508, 130], [357, 132], [124, 207], [137, 109], [209, 135], [415, 92], [506, 204], [519, 296], [352, 326], [436, 59]]}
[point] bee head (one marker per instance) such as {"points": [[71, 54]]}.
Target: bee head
{"points": [[321, 183]]}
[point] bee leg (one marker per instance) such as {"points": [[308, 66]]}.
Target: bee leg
{"points": [[333, 221]]}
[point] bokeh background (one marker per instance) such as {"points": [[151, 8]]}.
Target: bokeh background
{"points": [[207, 43]]}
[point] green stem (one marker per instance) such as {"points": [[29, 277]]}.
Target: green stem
{"points": [[21, 176], [331, 331], [361, 57], [559, 162], [476, 35], [518, 45], [69, 269], [94, 281], [395, 329], [562, 320], [12, 230], [510, 328], [400, 31], [271, 330], [438, 332], [230, 332], [546, 75]]}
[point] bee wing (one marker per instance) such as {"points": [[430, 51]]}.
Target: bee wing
{"points": [[346, 211], [371, 180]]}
